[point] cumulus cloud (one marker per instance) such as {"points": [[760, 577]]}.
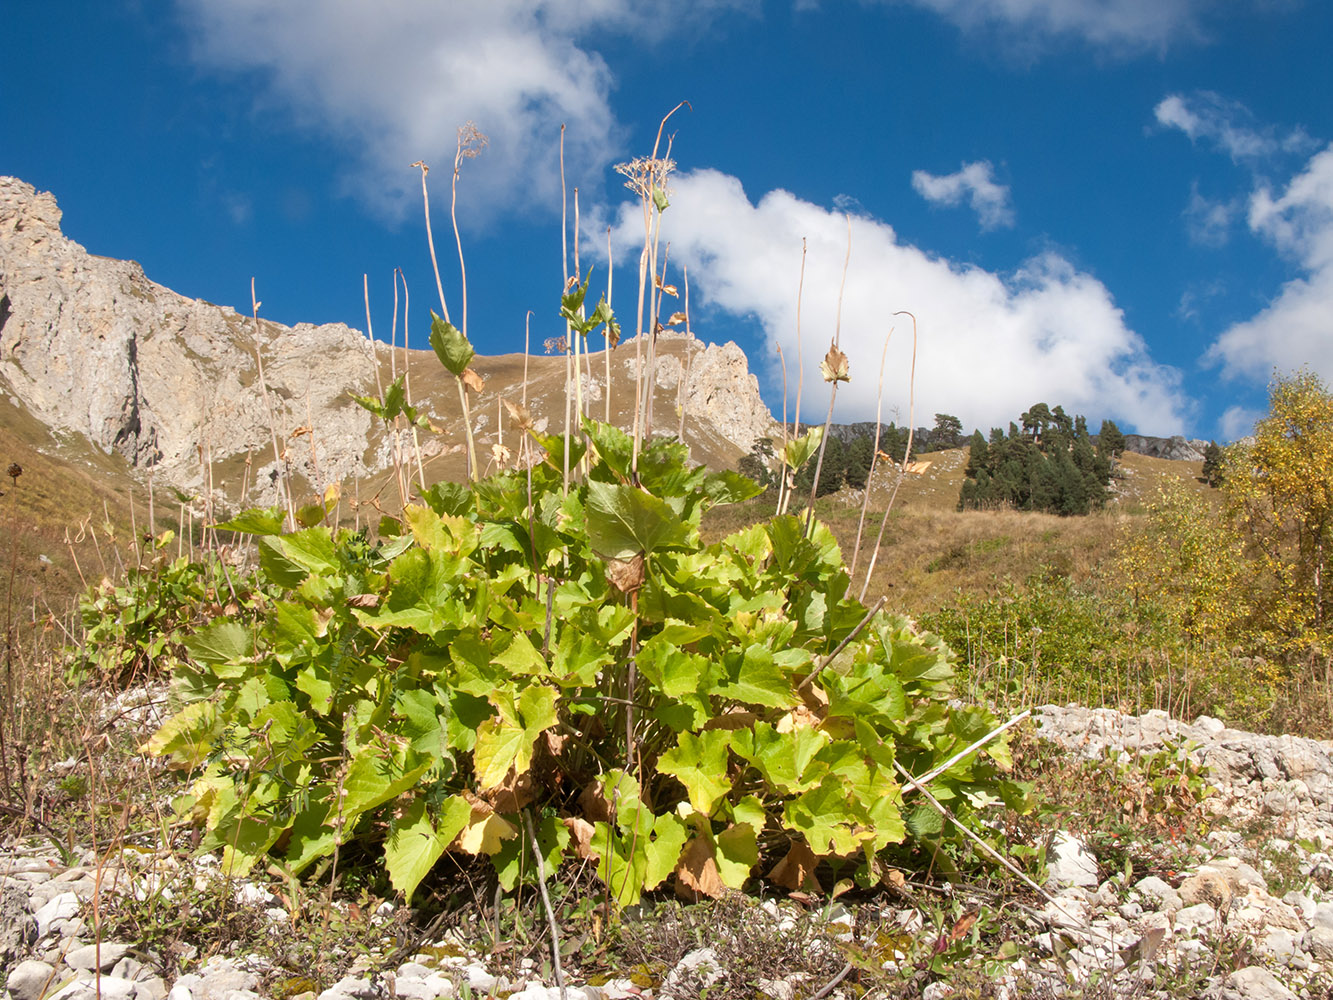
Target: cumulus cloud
{"points": [[1113, 24], [391, 83], [1238, 422], [1229, 126], [973, 183], [990, 345], [1296, 328]]}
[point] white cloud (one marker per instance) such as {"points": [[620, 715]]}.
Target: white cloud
{"points": [[1238, 422], [990, 345], [1114, 24], [1208, 222], [1296, 328], [393, 82], [973, 183], [1228, 125]]}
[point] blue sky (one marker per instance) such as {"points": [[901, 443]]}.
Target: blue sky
{"points": [[1123, 206]]}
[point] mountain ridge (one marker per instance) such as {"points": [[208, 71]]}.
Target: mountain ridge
{"points": [[91, 345]]}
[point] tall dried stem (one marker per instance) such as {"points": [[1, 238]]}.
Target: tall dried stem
{"points": [[610, 275], [565, 288], [471, 141], [407, 367], [902, 469], [284, 484], [782, 483], [646, 177], [430, 240], [874, 455], [832, 377], [682, 392]]}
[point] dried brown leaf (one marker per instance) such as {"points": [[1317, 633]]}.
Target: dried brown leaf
{"points": [[511, 794], [676, 319], [594, 804], [472, 380], [519, 415], [581, 833], [797, 869], [626, 575], [696, 873]]}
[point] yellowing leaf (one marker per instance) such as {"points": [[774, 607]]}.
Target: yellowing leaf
{"points": [[484, 830], [416, 843]]}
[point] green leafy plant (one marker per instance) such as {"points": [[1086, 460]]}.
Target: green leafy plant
{"points": [[523, 643], [139, 626]]}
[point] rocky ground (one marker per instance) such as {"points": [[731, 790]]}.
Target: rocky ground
{"points": [[1248, 914]]}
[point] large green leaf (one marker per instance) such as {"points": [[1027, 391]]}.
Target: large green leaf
{"points": [[373, 779], [416, 842], [505, 740], [624, 521], [699, 762], [757, 680], [784, 759], [449, 344], [189, 736], [257, 522], [224, 645]]}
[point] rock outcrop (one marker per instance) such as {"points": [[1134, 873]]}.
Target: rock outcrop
{"points": [[90, 345], [1177, 449]]}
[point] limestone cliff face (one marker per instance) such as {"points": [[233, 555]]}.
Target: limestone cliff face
{"points": [[91, 345]]}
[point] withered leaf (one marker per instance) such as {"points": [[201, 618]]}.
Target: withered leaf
{"points": [[363, 601], [625, 575], [696, 873], [519, 414], [511, 794], [834, 366], [676, 319], [581, 832], [472, 380], [594, 804], [500, 453], [797, 869]]}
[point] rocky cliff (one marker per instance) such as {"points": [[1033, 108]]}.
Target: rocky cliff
{"points": [[91, 345], [1176, 448]]}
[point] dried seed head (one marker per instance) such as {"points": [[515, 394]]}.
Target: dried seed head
{"points": [[834, 366]]}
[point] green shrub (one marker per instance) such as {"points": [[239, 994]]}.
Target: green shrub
{"points": [[521, 646]]}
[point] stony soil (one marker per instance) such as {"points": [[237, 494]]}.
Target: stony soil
{"points": [[1249, 916]]}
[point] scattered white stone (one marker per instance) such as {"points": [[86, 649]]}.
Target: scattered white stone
{"points": [[60, 907], [90, 958], [1069, 863], [29, 979], [1254, 983], [702, 962]]}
